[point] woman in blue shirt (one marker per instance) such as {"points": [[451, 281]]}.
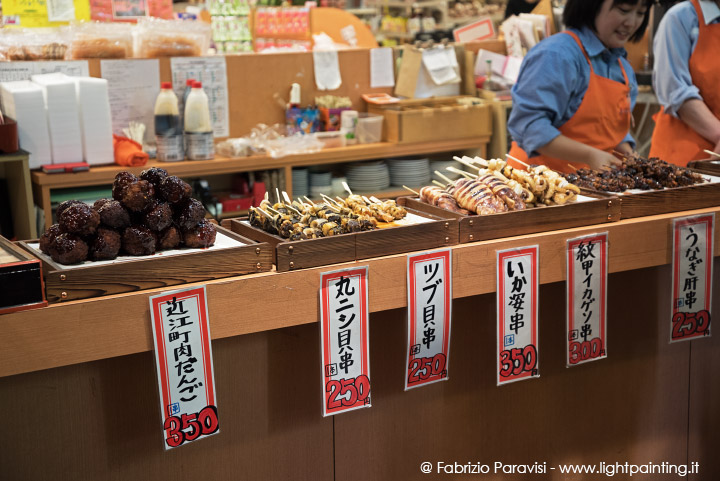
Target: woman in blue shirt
{"points": [[687, 82], [573, 100]]}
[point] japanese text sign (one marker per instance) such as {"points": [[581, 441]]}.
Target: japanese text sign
{"points": [[429, 306], [692, 277], [345, 340], [183, 356], [517, 296], [586, 298]]}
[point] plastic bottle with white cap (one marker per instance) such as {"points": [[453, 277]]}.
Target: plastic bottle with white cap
{"points": [[168, 131], [198, 127]]}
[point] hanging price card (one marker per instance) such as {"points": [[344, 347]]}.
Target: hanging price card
{"points": [[429, 301], [692, 277], [344, 340], [517, 289], [184, 365], [586, 298]]}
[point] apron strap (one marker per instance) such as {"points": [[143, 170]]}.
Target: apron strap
{"points": [[582, 48]]}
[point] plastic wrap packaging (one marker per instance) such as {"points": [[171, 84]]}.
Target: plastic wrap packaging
{"points": [[33, 44], [172, 38], [271, 140], [100, 40]]}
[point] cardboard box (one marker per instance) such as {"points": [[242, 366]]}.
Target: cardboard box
{"points": [[439, 118]]}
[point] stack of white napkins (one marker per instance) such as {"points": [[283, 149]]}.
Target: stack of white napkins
{"points": [[62, 115], [23, 101], [95, 120]]}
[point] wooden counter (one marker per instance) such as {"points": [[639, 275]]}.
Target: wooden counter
{"points": [[78, 387], [92, 329]]}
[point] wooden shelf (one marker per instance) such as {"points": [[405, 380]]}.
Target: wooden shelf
{"points": [[87, 330], [102, 175]]}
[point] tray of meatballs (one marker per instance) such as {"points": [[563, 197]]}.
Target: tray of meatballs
{"points": [[152, 233]]}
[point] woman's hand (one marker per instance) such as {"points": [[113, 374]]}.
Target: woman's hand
{"points": [[601, 159]]}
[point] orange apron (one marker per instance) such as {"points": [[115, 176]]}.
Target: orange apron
{"points": [[673, 140], [602, 120]]}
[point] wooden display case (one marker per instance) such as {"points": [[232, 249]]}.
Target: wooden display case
{"points": [[21, 279], [434, 231], [707, 166], [237, 256], [597, 209]]}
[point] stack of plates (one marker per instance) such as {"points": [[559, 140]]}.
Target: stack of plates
{"points": [[368, 176], [411, 172], [300, 182], [442, 165], [320, 183]]}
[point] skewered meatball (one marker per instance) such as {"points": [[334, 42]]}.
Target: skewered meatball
{"points": [[159, 216], [202, 235], [122, 179], [64, 205], [79, 219], [138, 241], [105, 245], [49, 236], [113, 214], [188, 213], [100, 202], [154, 175], [174, 189], [169, 238], [138, 195], [68, 249]]}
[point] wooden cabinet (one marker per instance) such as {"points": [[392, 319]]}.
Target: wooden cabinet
{"points": [[14, 168]]}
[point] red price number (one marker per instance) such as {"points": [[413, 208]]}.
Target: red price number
{"points": [[189, 427], [517, 360], [585, 350], [347, 392], [422, 368], [690, 323]]}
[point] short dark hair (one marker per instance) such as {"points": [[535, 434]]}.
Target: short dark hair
{"points": [[582, 13]]}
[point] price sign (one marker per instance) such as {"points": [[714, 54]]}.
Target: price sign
{"points": [[692, 277], [184, 365], [344, 340], [429, 301], [517, 289], [586, 298]]}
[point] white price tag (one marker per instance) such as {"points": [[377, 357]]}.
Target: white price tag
{"points": [[517, 296], [586, 298], [429, 313], [692, 277], [345, 343], [183, 356]]}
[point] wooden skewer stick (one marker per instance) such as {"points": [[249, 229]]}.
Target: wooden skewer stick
{"points": [[309, 200], [277, 193], [263, 212], [287, 198], [411, 190], [328, 199], [438, 183], [575, 169], [368, 200], [347, 188], [267, 196], [340, 201], [711, 153], [292, 209], [375, 199], [468, 163], [517, 160], [467, 175], [273, 211], [443, 177]]}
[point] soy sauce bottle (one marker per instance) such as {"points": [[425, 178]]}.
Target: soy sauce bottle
{"points": [[168, 131]]}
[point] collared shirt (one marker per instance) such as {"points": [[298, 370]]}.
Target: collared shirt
{"points": [[553, 79], [674, 43]]}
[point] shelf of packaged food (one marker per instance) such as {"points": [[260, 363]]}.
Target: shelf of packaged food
{"points": [[400, 35], [98, 328], [44, 183]]}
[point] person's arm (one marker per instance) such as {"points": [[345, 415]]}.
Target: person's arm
{"points": [[563, 147], [673, 46], [698, 116], [625, 148]]}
